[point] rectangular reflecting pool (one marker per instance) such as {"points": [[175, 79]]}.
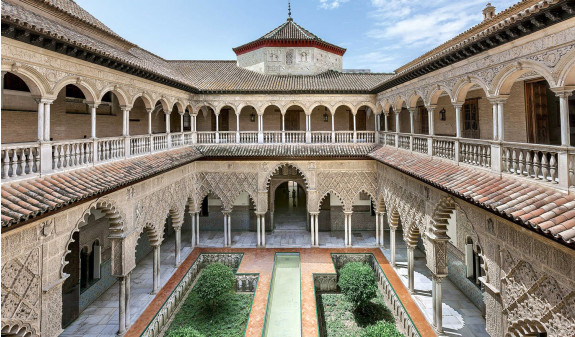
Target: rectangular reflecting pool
{"points": [[283, 312]]}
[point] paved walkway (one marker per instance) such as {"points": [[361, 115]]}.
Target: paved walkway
{"points": [[288, 239], [314, 260], [101, 317], [460, 316]]}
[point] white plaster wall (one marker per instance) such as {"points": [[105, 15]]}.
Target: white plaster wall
{"points": [[306, 61]]}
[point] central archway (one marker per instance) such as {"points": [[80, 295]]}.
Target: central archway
{"points": [[290, 210]]}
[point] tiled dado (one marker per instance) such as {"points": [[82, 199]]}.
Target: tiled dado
{"points": [[260, 260]]}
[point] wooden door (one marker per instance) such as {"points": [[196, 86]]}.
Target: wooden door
{"points": [[537, 112], [292, 120]]}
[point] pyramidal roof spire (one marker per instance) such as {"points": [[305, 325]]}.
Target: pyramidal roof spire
{"points": [[289, 11]]}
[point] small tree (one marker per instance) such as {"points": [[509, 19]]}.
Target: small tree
{"points": [[380, 329], [357, 283], [184, 331], [215, 282]]}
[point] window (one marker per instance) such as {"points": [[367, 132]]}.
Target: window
{"points": [[471, 118]]}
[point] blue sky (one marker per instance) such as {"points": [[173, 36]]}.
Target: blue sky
{"points": [[380, 35]]}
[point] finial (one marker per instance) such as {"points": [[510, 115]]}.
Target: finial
{"points": [[289, 10]]}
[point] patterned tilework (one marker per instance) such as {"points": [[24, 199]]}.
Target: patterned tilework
{"points": [[544, 210], [98, 288], [457, 276]]}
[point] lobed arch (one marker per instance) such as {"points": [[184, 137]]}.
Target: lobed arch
{"points": [[145, 98], [17, 329], [463, 86], [115, 225], [331, 192], [525, 327], [435, 93], [154, 236], [86, 88], [208, 191], [37, 84], [412, 234], [119, 93], [275, 169], [251, 196], [505, 79], [442, 212]]}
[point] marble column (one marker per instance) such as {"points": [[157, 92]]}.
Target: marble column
{"points": [[316, 230], [127, 301], [156, 266], [437, 305], [410, 268], [564, 117], [354, 129], [93, 108], [122, 304], [263, 229], [258, 225], [458, 120], [193, 240], [377, 228], [198, 229], [500, 120], [40, 119], [312, 229], [178, 230], [392, 243]]}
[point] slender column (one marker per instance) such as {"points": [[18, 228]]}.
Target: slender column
{"points": [[500, 120], [376, 128], [433, 301], [354, 129], [312, 229], [564, 117], [178, 244], [397, 125], [149, 120], [93, 108], [333, 128], [122, 311], [307, 128], [377, 228], [457, 120], [238, 139], [260, 129], [198, 229], [431, 120], [182, 122], [438, 312], [225, 230], [193, 241], [410, 265], [168, 128], [317, 230], [386, 122], [411, 120], [495, 121], [128, 311], [392, 243], [40, 120], [230, 230], [156, 266], [345, 227], [264, 229], [194, 129], [126, 123], [349, 232], [47, 105], [382, 229], [283, 127], [217, 128], [258, 225]]}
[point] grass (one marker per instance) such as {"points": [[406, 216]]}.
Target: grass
{"points": [[341, 320], [229, 319]]}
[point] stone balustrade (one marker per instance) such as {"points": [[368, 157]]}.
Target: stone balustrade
{"points": [[549, 164], [20, 160]]}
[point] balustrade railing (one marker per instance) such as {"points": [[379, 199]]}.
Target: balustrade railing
{"points": [[343, 137], [420, 144], [444, 148], [188, 138], [390, 139], [227, 137], [272, 137], [293, 137], [475, 152], [110, 149], [160, 142], [532, 161], [139, 145], [571, 170], [365, 137], [176, 139], [321, 137], [70, 154], [20, 160], [404, 142], [206, 137], [248, 137]]}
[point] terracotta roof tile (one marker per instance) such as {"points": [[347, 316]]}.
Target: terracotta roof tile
{"points": [[25, 200], [543, 209], [286, 150]]}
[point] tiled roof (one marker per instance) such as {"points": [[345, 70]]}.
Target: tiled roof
{"points": [[541, 209], [134, 56], [289, 30], [286, 150], [221, 76], [25, 200], [71, 8]]}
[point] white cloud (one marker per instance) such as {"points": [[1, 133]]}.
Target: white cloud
{"points": [[331, 4]]}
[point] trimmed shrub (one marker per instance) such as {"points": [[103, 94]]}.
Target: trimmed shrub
{"points": [[381, 329], [357, 283], [184, 332], [215, 282]]}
